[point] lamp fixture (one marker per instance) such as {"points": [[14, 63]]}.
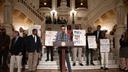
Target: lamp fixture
{"points": [[45, 3]]}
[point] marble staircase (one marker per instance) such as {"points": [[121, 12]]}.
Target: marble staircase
{"points": [[55, 64]]}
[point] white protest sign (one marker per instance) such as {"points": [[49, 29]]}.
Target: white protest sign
{"points": [[92, 42], [104, 45], [79, 38], [50, 37]]}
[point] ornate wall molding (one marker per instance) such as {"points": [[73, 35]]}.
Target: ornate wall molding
{"points": [[27, 12], [94, 14]]}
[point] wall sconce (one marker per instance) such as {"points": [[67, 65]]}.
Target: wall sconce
{"points": [[73, 14], [45, 3], [53, 14]]}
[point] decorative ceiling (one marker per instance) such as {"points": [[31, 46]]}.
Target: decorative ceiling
{"points": [[20, 20], [78, 3], [107, 20], [59, 2]]}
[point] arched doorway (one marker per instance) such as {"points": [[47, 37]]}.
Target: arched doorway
{"points": [[107, 20]]}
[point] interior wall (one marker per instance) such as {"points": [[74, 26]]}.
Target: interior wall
{"points": [[21, 20]]}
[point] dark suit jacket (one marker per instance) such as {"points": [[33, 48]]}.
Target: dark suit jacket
{"points": [[32, 46], [97, 38], [4, 42], [16, 46]]}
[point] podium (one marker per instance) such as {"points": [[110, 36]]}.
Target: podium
{"points": [[63, 45]]}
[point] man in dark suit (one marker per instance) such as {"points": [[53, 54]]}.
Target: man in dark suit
{"points": [[34, 48], [97, 33], [23, 35], [16, 50], [4, 47]]}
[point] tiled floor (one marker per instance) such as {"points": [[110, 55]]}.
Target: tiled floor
{"points": [[96, 70], [110, 70]]}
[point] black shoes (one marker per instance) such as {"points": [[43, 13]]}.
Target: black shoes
{"points": [[104, 68], [92, 64], [81, 64], [87, 64], [101, 68], [49, 60], [74, 64]]}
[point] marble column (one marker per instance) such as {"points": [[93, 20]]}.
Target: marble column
{"points": [[43, 27], [36, 4], [72, 4], [120, 13], [8, 16], [54, 4]]}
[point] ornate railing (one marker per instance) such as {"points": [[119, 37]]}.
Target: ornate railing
{"points": [[31, 8]]}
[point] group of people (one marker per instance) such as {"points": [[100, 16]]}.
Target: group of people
{"points": [[14, 50], [21, 47], [77, 51], [59, 20]]}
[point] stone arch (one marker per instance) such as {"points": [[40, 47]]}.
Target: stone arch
{"points": [[19, 6], [99, 12]]}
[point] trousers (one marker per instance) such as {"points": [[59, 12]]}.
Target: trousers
{"points": [[104, 59], [15, 60]]}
